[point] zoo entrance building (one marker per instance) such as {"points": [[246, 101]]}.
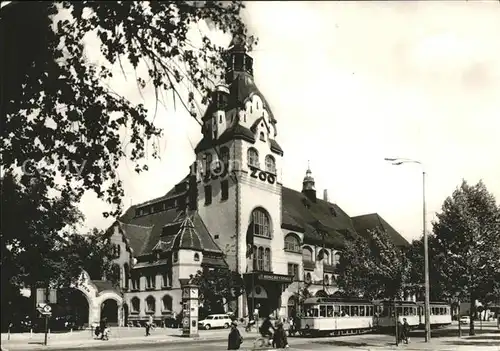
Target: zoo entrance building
{"points": [[232, 210]]}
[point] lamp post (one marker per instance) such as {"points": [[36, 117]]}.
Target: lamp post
{"points": [[398, 162]]}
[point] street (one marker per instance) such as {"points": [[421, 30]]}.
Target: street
{"points": [[443, 339]]}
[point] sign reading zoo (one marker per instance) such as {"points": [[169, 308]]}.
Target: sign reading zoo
{"points": [[262, 175]]}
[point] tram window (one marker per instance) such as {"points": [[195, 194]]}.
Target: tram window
{"points": [[336, 310], [322, 311], [361, 311], [329, 311], [344, 311], [354, 310], [405, 311], [370, 311], [386, 312]]}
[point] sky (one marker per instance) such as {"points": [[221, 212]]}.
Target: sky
{"points": [[351, 83]]}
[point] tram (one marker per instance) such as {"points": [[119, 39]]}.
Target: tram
{"points": [[440, 314], [385, 313], [336, 316]]}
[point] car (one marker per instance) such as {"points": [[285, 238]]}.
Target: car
{"points": [[215, 321], [464, 320]]}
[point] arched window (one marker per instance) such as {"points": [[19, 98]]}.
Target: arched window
{"points": [[307, 254], [116, 272], [196, 257], [253, 157], [261, 223], [327, 279], [292, 243], [136, 304], [260, 259], [308, 277], [324, 256], [267, 260], [262, 136], [150, 304], [167, 303], [270, 164], [336, 259], [126, 270], [224, 156]]}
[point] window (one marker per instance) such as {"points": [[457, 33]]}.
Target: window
{"points": [[196, 257], [270, 164], [150, 282], [116, 271], [224, 189], [293, 269], [208, 164], [336, 259], [261, 223], [126, 271], [166, 303], [165, 280], [327, 280], [150, 304], [292, 243], [136, 283], [135, 303], [324, 256], [262, 259], [176, 256], [224, 156], [307, 254], [262, 136], [253, 157], [308, 277], [267, 260], [208, 194]]}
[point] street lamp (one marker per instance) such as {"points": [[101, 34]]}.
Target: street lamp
{"points": [[398, 162]]}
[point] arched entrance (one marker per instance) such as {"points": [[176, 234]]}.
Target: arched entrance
{"points": [[109, 310], [259, 300], [291, 307], [74, 305]]}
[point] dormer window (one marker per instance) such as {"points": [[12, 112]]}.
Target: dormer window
{"points": [[262, 136], [253, 157]]}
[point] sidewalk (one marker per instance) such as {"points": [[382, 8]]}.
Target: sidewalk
{"points": [[118, 337]]}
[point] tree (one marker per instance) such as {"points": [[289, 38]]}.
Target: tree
{"points": [[93, 253], [58, 114], [467, 237], [373, 268], [218, 287]]}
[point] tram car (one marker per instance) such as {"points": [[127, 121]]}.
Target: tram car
{"points": [[440, 314], [336, 316], [385, 314]]}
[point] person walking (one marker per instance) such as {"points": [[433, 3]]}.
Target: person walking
{"points": [[148, 325], [234, 339], [406, 331], [102, 327], [280, 340]]}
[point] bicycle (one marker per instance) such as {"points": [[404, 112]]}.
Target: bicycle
{"points": [[263, 341]]}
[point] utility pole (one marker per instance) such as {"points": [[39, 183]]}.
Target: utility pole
{"points": [[426, 266]]}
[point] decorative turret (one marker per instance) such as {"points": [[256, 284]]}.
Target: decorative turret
{"points": [[238, 61], [308, 185]]}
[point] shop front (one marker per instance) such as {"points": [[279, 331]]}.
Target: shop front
{"points": [[263, 291]]}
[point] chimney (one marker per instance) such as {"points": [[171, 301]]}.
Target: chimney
{"points": [[325, 195]]}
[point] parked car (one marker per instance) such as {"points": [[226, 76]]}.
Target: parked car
{"points": [[465, 320], [215, 321]]}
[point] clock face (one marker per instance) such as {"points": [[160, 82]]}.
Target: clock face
{"points": [[194, 293]]}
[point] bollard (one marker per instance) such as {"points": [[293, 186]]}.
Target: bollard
{"points": [[31, 333]]}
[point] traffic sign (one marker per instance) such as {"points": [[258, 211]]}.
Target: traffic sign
{"points": [[47, 309]]}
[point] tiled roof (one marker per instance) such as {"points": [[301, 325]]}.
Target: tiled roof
{"points": [[312, 217], [234, 132], [371, 221]]}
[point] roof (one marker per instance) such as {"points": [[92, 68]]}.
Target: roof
{"points": [[165, 231], [301, 214], [367, 222], [103, 285]]}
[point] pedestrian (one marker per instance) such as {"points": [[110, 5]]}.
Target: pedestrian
{"points": [[406, 331], [234, 339], [399, 335], [280, 340], [102, 327], [148, 325]]}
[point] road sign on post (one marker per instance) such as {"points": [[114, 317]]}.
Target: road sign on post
{"points": [[46, 311]]}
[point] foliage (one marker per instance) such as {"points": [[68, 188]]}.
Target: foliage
{"points": [[61, 117], [467, 237], [218, 287], [373, 268], [93, 253], [33, 234]]}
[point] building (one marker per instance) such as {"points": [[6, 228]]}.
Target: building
{"points": [[232, 210]]}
